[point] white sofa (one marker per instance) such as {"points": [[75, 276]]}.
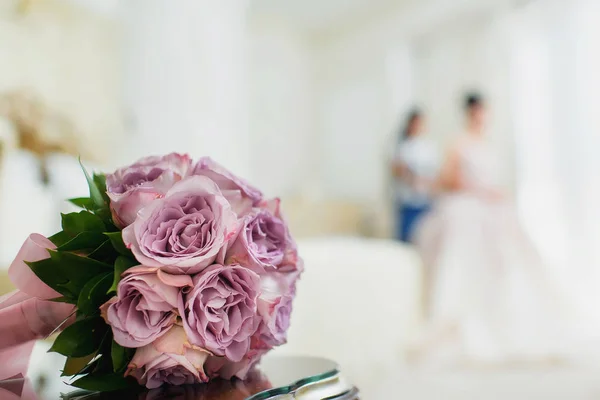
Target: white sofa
{"points": [[358, 304]]}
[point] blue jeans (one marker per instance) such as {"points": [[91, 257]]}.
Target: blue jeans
{"points": [[407, 219]]}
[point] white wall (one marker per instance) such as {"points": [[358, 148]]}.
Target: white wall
{"points": [[244, 99], [470, 54], [355, 117], [369, 74], [281, 104]]}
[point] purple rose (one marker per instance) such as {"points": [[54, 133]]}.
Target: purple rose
{"points": [[219, 313], [145, 306], [263, 243], [170, 359], [275, 307], [131, 188], [238, 192], [183, 232], [221, 367], [277, 320]]}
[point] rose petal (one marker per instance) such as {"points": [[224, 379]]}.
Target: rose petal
{"points": [[175, 280]]}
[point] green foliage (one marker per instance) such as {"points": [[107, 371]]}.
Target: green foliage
{"points": [[60, 238], [63, 299], [68, 273], [122, 264], [85, 269], [116, 238], [104, 253], [100, 182], [97, 186], [120, 356], [74, 365], [81, 338], [83, 202], [94, 294], [86, 240], [84, 221]]}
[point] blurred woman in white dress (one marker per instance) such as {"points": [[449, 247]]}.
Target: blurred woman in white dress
{"points": [[490, 298]]}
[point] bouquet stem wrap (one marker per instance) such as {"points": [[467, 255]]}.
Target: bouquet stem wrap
{"points": [[26, 313]]}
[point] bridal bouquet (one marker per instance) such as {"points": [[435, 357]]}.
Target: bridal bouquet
{"points": [[174, 272]]}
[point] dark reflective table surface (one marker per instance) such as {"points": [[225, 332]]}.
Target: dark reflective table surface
{"points": [[276, 378]]}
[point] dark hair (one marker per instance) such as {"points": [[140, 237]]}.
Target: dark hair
{"points": [[473, 100], [412, 116]]}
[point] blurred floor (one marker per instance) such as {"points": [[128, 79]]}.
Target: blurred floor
{"points": [[526, 383]]}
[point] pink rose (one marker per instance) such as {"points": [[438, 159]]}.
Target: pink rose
{"points": [[275, 307], [131, 188], [276, 313], [263, 243], [222, 367], [145, 306], [219, 312], [171, 359], [183, 232], [238, 192]]}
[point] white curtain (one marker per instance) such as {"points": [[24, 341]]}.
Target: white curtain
{"points": [[555, 93], [185, 80]]}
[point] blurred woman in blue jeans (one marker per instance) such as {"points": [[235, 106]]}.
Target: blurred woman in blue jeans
{"points": [[415, 165]]}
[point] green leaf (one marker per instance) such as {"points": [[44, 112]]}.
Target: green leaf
{"points": [[74, 365], [83, 221], [63, 299], [106, 382], [105, 253], [91, 367], [94, 294], [120, 356], [116, 238], [100, 181], [77, 395], [104, 362], [83, 202], [80, 339], [60, 238], [68, 273], [96, 193], [83, 241], [122, 264]]}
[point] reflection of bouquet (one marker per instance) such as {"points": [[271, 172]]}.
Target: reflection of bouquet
{"points": [[176, 272], [216, 390]]}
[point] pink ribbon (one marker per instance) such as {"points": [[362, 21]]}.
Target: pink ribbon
{"points": [[17, 388], [26, 314]]}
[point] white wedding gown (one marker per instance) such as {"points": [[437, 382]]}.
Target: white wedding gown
{"points": [[490, 298]]}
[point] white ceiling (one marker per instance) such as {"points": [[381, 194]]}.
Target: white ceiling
{"points": [[322, 14]]}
